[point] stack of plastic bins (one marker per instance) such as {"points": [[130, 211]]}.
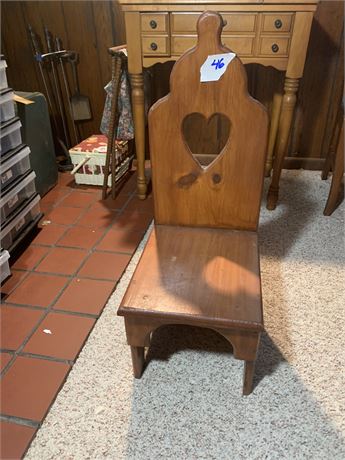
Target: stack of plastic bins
{"points": [[19, 201]]}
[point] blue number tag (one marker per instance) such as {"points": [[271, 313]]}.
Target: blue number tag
{"points": [[215, 66], [218, 63]]}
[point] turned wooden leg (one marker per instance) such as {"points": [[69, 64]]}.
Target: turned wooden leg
{"points": [[288, 105], [248, 377], [336, 193], [276, 108], [137, 83], [138, 361]]}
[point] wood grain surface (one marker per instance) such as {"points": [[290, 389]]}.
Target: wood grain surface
{"points": [[227, 193], [204, 276]]}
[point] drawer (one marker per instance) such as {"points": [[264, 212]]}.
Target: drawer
{"points": [[181, 44], [21, 219], [6, 104], [243, 46], [10, 135], [15, 163], [155, 45], [239, 22], [277, 22], [157, 22], [274, 46], [186, 22], [4, 265], [14, 195]]}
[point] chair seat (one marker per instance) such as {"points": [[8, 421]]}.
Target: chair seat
{"points": [[201, 276]]}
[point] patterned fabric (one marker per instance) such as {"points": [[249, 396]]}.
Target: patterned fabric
{"points": [[97, 145], [125, 129]]}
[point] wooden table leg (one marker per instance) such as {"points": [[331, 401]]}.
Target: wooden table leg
{"points": [[276, 108], [137, 83], [285, 121]]}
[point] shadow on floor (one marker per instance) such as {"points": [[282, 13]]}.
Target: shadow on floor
{"points": [[168, 340]]}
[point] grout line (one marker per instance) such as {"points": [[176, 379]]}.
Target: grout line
{"points": [[20, 421], [34, 272], [25, 354], [35, 328], [69, 278], [98, 279], [8, 365], [79, 314], [56, 203], [103, 232], [37, 263], [54, 310], [19, 305], [49, 308], [17, 285]]}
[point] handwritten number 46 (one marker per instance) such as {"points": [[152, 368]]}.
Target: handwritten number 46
{"points": [[218, 63]]}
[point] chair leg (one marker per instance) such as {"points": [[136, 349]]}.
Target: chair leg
{"points": [[336, 193], [248, 377], [138, 361], [138, 337], [245, 345]]}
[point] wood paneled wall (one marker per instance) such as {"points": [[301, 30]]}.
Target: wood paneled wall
{"points": [[90, 27]]}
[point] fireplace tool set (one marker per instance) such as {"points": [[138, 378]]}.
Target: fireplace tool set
{"points": [[66, 105]]}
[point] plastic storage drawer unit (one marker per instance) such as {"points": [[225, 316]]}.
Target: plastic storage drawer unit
{"points": [[10, 136], [4, 266], [6, 104], [21, 190], [14, 163], [3, 77], [23, 217]]}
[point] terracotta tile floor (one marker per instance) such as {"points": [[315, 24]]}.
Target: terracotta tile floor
{"points": [[60, 283]]}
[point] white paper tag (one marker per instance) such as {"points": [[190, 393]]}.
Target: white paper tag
{"points": [[7, 175], [215, 66], [13, 201], [20, 224]]}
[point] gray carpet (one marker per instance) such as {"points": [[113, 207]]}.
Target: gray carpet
{"points": [[188, 404]]}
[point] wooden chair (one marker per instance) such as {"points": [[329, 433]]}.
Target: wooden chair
{"points": [[200, 266]]}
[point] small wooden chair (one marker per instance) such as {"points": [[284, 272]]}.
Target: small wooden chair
{"points": [[200, 266]]}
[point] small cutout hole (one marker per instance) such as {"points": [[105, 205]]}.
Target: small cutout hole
{"points": [[206, 138]]}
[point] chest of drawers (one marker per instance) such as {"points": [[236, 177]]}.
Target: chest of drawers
{"points": [[250, 35]]}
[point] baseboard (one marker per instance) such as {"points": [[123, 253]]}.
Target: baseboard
{"points": [[315, 164]]}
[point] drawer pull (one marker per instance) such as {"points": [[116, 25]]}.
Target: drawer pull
{"points": [[278, 24], [275, 48], [153, 46], [153, 24]]}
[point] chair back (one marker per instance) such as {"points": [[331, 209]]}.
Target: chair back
{"points": [[212, 175]]}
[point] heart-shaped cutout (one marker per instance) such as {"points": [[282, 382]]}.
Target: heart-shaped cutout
{"points": [[205, 138]]}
